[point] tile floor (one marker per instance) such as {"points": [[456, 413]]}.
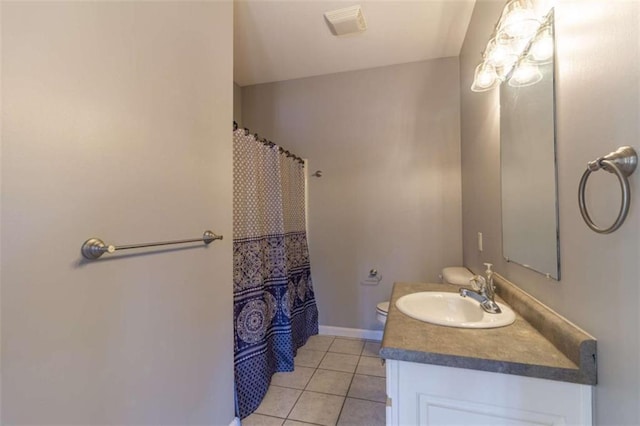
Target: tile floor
{"points": [[336, 380]]}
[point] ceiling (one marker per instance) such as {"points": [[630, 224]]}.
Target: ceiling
{"points": [[283, 40]]}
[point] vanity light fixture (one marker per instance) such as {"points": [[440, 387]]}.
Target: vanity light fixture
{"points": [[484, 78], [520, 29], [500, 53], [541, 50], [519, 19], [526, 73]]}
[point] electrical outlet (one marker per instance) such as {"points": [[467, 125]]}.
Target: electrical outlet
{"points": [[479, 241]]}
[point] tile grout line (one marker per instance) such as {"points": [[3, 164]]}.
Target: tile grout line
{"points": [[305, 387], [344, 401], [350, 384], [333, 394], [326, 352], [349, 388]]}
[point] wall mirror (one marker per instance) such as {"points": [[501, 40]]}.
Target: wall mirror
{"points": [[530, 233]]}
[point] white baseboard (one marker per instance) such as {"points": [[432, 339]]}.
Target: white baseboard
{"points": [[235, 422], [357, 333]]}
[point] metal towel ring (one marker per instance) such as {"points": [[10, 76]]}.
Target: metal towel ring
{"points": [[622, 163]]}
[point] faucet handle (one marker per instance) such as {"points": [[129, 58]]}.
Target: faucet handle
{"points": [[478, 282]]}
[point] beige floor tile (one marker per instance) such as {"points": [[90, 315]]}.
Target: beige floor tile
{"points": [[360, 412], [371, 367], [308, 358], [260, 420], [339, 362], [333, 382], [347, 346], [319, 343], [278, 401], [297, 378], [371, 349], [368, 387], [318, 408]]}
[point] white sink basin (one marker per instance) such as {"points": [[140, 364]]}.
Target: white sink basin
{"points": [[452, 310]]}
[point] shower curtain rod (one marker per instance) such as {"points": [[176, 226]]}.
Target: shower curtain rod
{"points": [[270, 144]]}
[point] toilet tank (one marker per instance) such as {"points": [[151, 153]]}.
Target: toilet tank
{"points": [[458, 275]]}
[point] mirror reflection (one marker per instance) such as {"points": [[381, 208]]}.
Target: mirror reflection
{"points": [[528, 167]]}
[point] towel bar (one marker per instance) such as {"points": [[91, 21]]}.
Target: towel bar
{"points": [[93, 248]]}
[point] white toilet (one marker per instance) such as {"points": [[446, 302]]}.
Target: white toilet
{"points": [[382, 309], [455, 275]]}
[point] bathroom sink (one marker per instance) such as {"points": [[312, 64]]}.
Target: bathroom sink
{"points": [[452, 310]]}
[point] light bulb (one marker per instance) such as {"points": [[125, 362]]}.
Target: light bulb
{"points": [[519, 19], [500, 54], [525, 74], [484, 78], [542, 48]]}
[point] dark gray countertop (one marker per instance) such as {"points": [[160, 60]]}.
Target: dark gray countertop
{"points": [[518, 349]]}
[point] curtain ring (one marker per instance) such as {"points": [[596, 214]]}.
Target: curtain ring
{"points": [[611, 167]]}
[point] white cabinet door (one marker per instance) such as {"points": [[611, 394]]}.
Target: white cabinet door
{"points": [[424, 394]]}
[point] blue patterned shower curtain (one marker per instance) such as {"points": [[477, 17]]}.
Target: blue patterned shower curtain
{"points": [[274, 304]]}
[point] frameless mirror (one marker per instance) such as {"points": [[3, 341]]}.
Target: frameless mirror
{"points": [[530, 235]]}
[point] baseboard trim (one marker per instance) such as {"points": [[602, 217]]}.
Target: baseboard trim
{"points": [[357, 333], [235, 422]]}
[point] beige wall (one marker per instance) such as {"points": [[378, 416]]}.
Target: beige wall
{"points": [[116, 124], [387, 141], [598, 109], [237, 104]]}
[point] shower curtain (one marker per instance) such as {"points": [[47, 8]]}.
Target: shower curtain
{"points": [[274, 304]]}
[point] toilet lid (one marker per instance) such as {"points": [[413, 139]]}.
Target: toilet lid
{"points": [[383, 308]]}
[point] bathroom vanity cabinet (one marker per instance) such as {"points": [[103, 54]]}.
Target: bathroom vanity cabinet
{"points": [[425, 394], [540, 370]]}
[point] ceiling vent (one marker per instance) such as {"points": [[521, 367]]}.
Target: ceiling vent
{"points": [[346, 21]]}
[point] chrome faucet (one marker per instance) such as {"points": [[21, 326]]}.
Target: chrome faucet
{"points": [[485, 294], [490, 289]]}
